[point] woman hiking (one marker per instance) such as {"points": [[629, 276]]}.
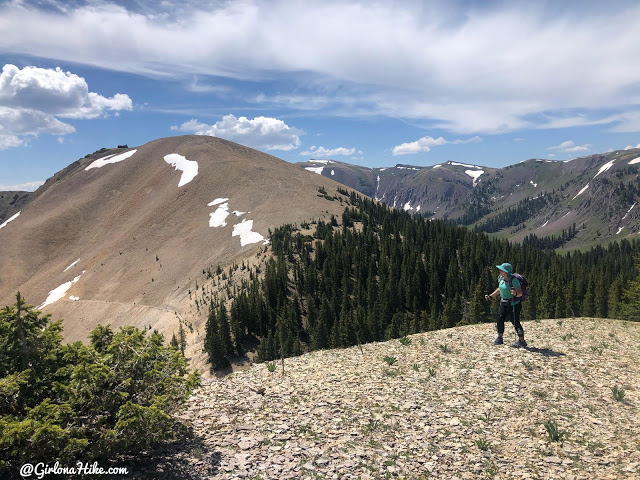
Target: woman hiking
{"points": [[509, 290]]}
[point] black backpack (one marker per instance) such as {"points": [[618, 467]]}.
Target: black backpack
{"points": [[524, 284]]}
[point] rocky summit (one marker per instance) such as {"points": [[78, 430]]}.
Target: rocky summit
{"points": [[444, 404]]}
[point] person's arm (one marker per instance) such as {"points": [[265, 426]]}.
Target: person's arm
{"points": [[516, 290], [492, 294]]}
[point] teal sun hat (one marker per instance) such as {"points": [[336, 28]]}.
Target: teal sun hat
{"points": [[505, 267]]}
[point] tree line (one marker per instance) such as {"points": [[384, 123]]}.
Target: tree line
{"points": [[381, 274]]}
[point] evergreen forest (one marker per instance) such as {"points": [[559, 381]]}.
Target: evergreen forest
{"points": [[380, 274]]}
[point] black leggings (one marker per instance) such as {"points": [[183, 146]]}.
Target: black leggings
{"points": [[513, 312]]}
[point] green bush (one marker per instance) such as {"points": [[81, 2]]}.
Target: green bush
{"points": [[84, 402]]}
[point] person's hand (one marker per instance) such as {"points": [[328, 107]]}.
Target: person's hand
{"points": [[487, 297]]}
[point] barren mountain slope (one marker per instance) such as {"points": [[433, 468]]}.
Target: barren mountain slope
{"points": [[453, 405], [131, 238]]}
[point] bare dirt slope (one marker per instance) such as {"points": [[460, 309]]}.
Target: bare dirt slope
{"points": [[11, 203], [141, 239], [453, 405]]}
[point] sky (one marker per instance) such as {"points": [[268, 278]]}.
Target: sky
{"points": [[372, 83]]}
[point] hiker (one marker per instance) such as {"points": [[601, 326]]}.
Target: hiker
{"points": [[510, 291]]}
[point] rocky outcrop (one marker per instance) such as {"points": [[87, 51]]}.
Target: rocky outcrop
{"points": [[452, 405]]}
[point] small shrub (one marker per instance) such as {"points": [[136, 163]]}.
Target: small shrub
{"points": [[618, 393], [593, 446], [390, 373], [432, 372], [483, 444], [271, 366], [444, 348], [416, 367], [555, 434], [527, 364], [390, 360], [405, 340], [372, 426]]}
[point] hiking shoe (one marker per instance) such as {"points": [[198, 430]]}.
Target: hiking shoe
{"points": [[519, 344], [498, 341]]}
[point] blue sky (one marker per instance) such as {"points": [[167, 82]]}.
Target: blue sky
{"points": [[491, 83]]}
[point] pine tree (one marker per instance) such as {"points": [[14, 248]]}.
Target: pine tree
{"points": [[478, 306], [616, 293], [320, 334], [174, 341], [630, 308], [212, 343], [225, 331], [182, 338]]}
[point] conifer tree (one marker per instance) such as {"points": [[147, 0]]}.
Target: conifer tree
{"points": [[225, 331], [182, 338], [630, 309], [213, 344], [478, 306], [616, 298]]}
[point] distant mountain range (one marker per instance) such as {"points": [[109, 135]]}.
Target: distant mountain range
{"points": [[571, 204]]}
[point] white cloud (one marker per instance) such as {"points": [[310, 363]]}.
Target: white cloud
{"points": [[32, 99], [570, 146], [9, 141], [629, 147], [260, 132], [54, 92], [330, 152], [29, 187], [480, 70], [424, 144]]}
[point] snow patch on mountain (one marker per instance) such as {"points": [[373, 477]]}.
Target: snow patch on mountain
{"points": [[247, 236], [10, 219], [59, 292], [475, 174], [219, 217], [73, 298], [71, 265], [407, 206], [581, 191], [464, 165], [628, 211], [189, 168], [619, 230], [217, 201], [535, 185], [109, 159], [634, 161], [605, 167], [545, 224], [317, 170]]}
